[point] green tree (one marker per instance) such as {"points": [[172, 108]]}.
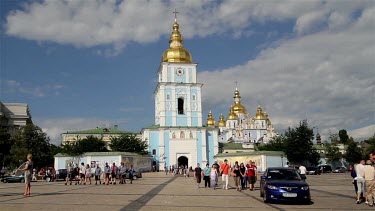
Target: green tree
{"points": [[31, 139], [333, 153], [88, 144], [128, 143], [371, 148], [299, 145], [343, 135], [353, 153], [276, 144], [5, 146], [335, 138]]}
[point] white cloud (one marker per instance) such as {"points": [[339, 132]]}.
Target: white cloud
{"points": [[13, 86], [92, 23], [326, 77], [363, 133]]}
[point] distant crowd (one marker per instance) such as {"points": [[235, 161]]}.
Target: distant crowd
{"points": [[83, 174]]}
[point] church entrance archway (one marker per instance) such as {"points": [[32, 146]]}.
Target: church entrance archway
{"points": [[183, 161]]}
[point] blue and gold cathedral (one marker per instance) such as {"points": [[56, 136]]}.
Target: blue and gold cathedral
{"points": [[178, 136]]}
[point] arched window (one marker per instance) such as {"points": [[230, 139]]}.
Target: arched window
{"points": [[154, 151], [180, 105], [182, 134], [193, 97], [168, 97]]}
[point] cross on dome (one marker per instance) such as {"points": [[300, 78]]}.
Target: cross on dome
{"points": [[175, 14]]}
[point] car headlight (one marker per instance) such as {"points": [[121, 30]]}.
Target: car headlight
{"points": [[271, 187], [305, 188]]}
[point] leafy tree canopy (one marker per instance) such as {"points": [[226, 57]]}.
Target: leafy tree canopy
{"points": [[5, 146], [371, 148], [31, 140], [88, 144], [343, 135], [276, 144], [353, 153], [128, 143], [333, 153], [299, 145]]}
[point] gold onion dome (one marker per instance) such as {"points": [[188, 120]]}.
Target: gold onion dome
{"points": [[221, 122], [176, 52], [259, 115], [268, 121], [238, 108], [232, 115], [210, 120]]}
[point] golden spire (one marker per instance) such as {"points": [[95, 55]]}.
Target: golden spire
{"points": [[238, 107], [221, 122], [232, 115], [176, 52], [210, 120], [259, 115]]}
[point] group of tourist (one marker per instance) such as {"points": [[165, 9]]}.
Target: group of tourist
{"points": [[175, 169], [363, 175], [242, 175], [109, 175]]}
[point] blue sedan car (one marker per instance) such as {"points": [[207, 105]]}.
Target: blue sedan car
{"points": [[283, 184]]}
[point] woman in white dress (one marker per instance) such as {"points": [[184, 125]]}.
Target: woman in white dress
{"points": [[214, 175]]}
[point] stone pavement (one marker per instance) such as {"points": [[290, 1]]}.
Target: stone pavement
{"points": [[157, 191]]}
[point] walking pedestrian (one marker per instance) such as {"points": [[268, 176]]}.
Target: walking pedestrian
{"points": [[224, 169], [198, 174], [251, 174], [82, 173], [98, 171], [131, 173], [369, 180], [206, 177], [236, 176], [214, 174], [28, 174], [243, 176], [88, 174], [122, 175], [360, 180], [107, 172], [113, 174]]}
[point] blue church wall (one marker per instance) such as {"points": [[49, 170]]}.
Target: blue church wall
{"points": [[154, 145], [199, 148], [168, 118], [190, 75], [169, 75], [210, 147], [166, 147], [194, 122], [181, 120]]}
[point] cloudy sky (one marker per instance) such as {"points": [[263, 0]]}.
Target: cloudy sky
{"points": [[80, 64]]}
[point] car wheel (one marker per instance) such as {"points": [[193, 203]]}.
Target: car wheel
{"points": [[22, 180], [5, 181], [135, 177]]}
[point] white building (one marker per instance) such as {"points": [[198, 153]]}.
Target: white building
{"points": [[239, 127], [13, 116], [178, 136]]}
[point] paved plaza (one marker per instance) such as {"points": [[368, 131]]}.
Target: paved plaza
{"points": [[157, 191]]}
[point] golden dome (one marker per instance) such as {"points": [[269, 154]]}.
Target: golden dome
{"points": [[175, 52], [268, 121], [238, 108], [210, 120], [259, 115], [232, 115], [221, 122]]}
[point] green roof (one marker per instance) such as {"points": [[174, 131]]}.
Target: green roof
{"points": [[100, 131], [275, 153], [103, 154], [233, 146]]}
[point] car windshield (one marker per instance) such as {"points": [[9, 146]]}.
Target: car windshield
{"points": [[283, 174]]}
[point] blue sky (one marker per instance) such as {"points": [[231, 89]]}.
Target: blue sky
{"points": [[81, 64]]}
